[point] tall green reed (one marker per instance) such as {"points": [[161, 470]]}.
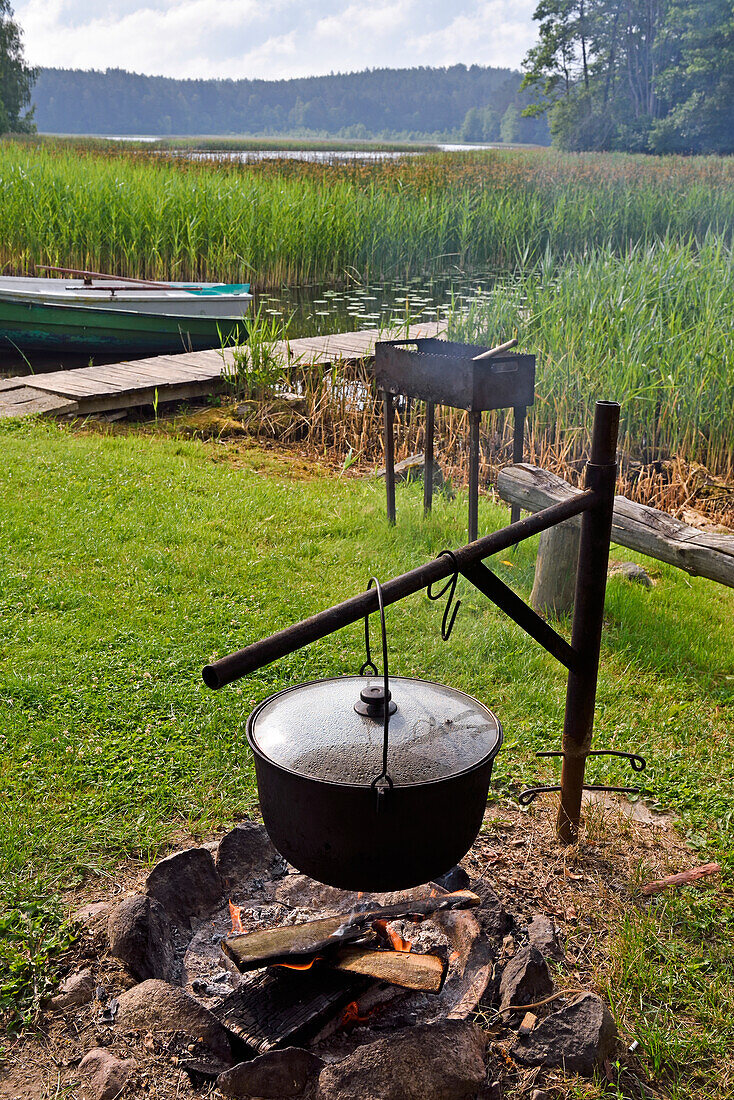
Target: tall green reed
{"points": [[294, 222], [651, 328]]}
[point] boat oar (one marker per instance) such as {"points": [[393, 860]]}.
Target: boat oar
{"points": [[150, 283]]}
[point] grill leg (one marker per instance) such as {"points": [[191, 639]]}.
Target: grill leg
{"points": [[428, 458], [474, 422], [389, 456], [588, 614], [518, 449]]}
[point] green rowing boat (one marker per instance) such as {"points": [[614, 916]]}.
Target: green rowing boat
{"points": [[120, 317]]}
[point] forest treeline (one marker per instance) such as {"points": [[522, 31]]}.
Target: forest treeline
{"points": [[651, 76], [473, 103]]}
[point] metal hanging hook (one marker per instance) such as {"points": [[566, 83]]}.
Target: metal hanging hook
{"points": [[637, 762], [382, 782], [447, 623]]}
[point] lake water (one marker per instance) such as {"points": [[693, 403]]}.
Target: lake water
{"points": [[318, 156]]}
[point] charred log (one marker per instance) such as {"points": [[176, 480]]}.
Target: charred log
{"points": [[265, 947]]}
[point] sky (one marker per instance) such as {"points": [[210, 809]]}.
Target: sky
{"points": [[271, 39]]}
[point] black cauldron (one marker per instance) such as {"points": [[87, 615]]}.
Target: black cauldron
{"points": [[354, 809]]}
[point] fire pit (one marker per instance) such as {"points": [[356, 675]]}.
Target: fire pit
{"points": [[248, 971]]}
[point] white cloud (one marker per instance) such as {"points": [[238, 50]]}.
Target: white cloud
{"points": [[496, 33], [272, 38]]}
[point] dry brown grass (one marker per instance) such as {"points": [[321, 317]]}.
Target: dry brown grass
{"points": [[341, 425]]}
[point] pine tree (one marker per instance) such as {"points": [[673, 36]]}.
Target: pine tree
{"points": [[16, 78]]}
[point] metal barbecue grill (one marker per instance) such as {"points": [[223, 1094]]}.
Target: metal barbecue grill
{"points": [[463, 376]]}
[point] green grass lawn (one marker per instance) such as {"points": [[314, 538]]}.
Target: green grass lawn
{"points": [[131, 560]]}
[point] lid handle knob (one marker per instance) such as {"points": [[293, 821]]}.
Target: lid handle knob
{"points": [[372, 702]]}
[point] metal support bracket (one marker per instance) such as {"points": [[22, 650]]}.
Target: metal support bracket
{"points": [[489, 584], [637, 762]]}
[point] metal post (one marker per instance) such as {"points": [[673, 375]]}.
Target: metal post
{"points": [[389, 456], [591, 582], [518, 448], [474, 422], [428, 458]]}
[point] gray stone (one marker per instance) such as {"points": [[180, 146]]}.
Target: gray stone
{"points": [[300, 891], [279, 1073], [494, 919], [247, 852], [630, 571], [443, 1061], [78, 989], [186, 884], [542, 934], [103, 1075], [525, 979], [93, 915], [155, 1005], [140, 935], [577, 1038], [411, 469]]}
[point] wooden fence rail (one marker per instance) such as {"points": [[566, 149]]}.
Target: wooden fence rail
{"points": [[636, 526]]}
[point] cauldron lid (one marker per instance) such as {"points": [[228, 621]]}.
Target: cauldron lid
{"points": [[314, 730]]}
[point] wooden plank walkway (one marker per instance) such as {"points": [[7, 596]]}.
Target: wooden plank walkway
{"points": [[89, 390]]}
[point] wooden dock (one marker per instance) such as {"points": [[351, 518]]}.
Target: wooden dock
{"points": [[90, 391]]}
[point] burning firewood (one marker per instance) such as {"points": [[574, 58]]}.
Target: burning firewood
{"points": [[267, 946], [411, 971]]}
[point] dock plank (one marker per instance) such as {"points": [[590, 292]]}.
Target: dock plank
{"points": [[165, 378], [72, 387], [25, 401]]}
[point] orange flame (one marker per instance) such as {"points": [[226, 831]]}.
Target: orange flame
{"points": [[395, 940], [235, 912], [300, 966], [351, 1017]]}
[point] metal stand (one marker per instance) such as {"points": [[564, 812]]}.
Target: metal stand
{"points": [[581, 658], [588, 616], [475, 419], [442, 372], [428, 458], [389, 457], [518, 447]]}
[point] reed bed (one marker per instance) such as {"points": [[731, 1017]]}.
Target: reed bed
{"points": [[149, 214], [651, 328]]}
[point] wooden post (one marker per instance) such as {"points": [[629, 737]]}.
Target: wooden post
{"points": [[637, 526], [555, 569], [428, 458], [389, 457], [588, 616], [474, 422], [518, 448]]}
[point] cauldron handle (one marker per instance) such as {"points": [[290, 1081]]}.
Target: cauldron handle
{"points": [[369, 663]]}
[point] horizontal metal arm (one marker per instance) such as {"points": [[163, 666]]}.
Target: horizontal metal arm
{"points": [[228, 669]]}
